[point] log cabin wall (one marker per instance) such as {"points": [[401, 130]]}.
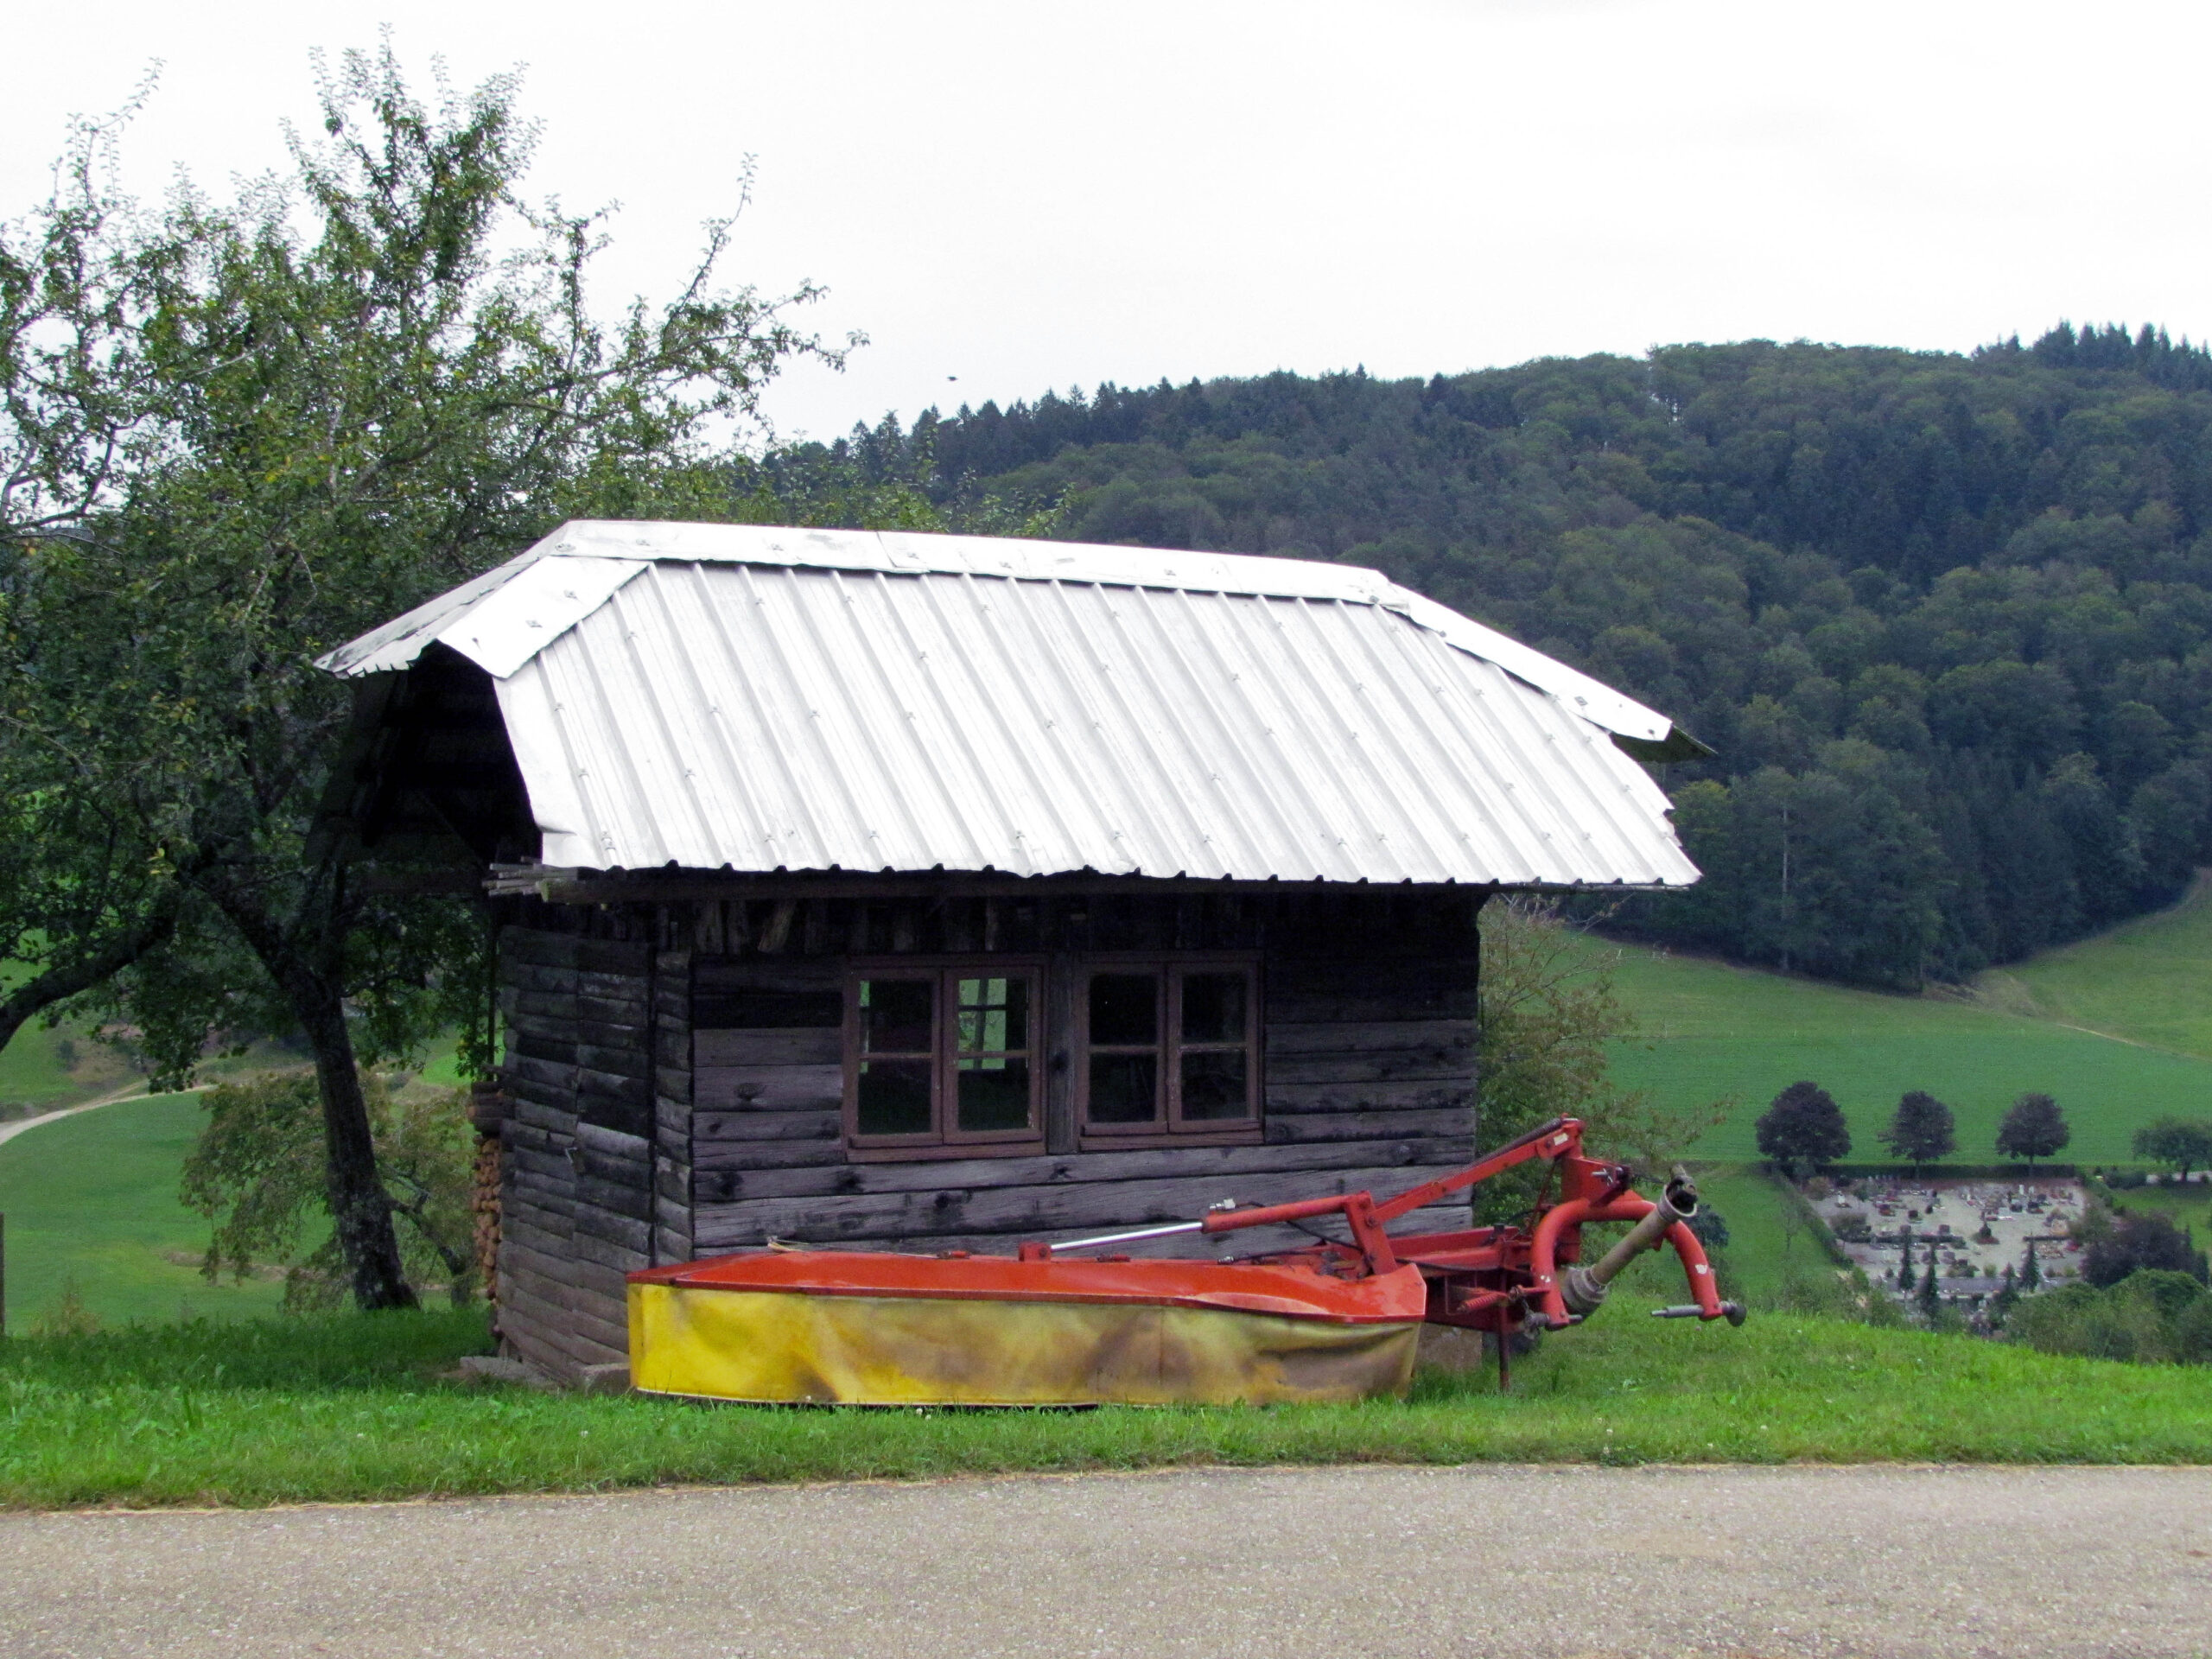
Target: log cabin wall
{"points": [[577, 1200], [1368, 1064], [677, 1071]]}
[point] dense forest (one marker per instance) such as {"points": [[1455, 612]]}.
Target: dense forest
{"points": [[1945, 620]]}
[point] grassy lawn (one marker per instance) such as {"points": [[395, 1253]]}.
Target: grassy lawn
{"points": [[352, 1408], [91, 1201], [2149, 980], [42, 1071], [1706, 1030], [2184, 1206]]}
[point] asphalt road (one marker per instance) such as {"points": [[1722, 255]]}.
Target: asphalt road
{"points": [[1275, 1564]]}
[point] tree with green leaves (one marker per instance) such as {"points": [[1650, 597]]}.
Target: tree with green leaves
{"points": [[1905, 1260], [253, 430], [257, 1174], [1803, 1129], [1921, 1128], [2033, 1127], [2138, 1241], [2031, 1269], [1931, 1298], [1547, 1022], [2183, 1143]]}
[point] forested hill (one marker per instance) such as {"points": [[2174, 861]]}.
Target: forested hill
{"points": [[1947, 621]]}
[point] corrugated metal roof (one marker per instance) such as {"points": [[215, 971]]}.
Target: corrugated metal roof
{"points": [[722, 696]]}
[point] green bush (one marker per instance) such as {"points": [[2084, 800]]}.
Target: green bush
{"points": [[2153, 1316]]}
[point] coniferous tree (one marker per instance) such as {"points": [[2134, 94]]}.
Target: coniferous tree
{"points": [[2031, 1269], [1931, 1295], [1905, 1265]]}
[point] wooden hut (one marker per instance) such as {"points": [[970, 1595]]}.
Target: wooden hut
{"points": [[935, 892]]}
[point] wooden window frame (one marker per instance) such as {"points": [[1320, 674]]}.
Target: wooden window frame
{"points": [[945, 1138], [1170, 1129]]}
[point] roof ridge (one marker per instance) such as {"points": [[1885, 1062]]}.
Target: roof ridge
{"points": [[618, 548]]}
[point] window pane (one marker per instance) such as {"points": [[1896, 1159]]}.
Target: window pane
{"points": [[1213, 1086], [993, 1015], [895, 1097], [1124, 1008], [1124, 1088], [993, 1094], [1213, 1008], [896, 1015]]}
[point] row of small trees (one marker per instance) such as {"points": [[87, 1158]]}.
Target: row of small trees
{"points": [[1803, 1129]]}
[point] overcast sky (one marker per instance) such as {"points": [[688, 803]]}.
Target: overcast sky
{"points": [[1037, 194]]}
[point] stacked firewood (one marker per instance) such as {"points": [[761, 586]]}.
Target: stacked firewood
{"points": [[485, 1201], [488, 1110]]}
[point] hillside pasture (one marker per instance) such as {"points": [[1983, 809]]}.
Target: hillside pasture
{"points": [[1707, 1029], [2148, 981], [91, 1203]]}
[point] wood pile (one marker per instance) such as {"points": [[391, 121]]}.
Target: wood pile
{"points": [[485, 1203]]}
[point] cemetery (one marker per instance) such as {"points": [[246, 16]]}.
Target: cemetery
{"points": [[1977, 1232]]}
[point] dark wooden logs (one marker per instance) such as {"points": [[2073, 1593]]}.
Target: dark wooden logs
{"points": [[676, 1070]]}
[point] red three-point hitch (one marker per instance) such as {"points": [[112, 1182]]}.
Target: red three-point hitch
{"points": [[1507, 1279]]}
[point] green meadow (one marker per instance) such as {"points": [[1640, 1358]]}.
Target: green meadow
{"points": [[2148, 981], [91, 1199], [2064, 1025], [90, 1202]]}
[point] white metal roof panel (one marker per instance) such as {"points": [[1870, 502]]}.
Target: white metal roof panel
{"points": [[764, 699]]}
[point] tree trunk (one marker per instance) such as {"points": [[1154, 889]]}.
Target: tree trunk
{"points": [[360, 1210], [359, 1207]]}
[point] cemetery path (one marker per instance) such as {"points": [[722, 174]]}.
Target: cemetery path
{"points": [[1280, 1563]]}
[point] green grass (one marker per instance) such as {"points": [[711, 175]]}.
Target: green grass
{"points": [[2186, 1206], [90, 1202], [42, 1071], [352, 1408], [1707, 1030], [2148, 981]]}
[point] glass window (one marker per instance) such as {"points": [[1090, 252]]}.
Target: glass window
{"points": [[1122, 1064], [942, 1056], [992, 1062], [898, 1023], [1169, 1049]]}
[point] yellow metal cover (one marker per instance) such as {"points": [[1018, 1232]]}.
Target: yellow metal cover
{"points": [[785, 1346]]}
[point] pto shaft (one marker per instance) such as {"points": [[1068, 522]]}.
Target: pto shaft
{"points": [[1583, 1289]]}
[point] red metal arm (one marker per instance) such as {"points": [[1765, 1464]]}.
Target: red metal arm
{"points": [[1359, 1210], [1543, 1253], [1560, 1138]]}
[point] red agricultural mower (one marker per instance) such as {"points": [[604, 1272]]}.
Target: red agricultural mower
{"points": [[1055, 1325]]}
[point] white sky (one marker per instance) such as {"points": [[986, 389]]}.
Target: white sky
{"points": [[1032, 195]]}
